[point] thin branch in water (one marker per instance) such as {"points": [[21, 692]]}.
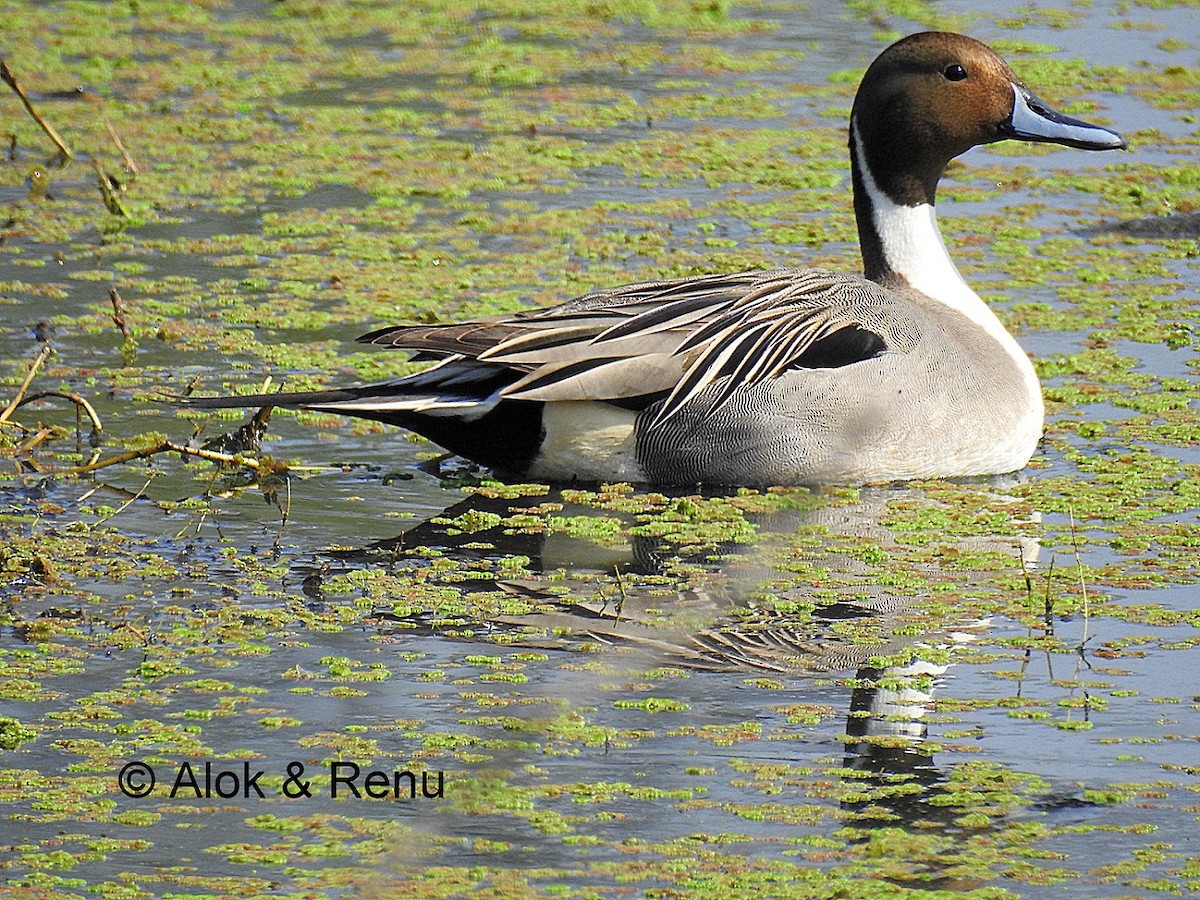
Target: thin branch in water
{"points": [[118, 314], [37, 439], [1082, 585], [109, 192], [193, 383], [80, 404], [168, 447], [130, 165], [621, 589], [129, 343], [16, 401], [11, 80], [128, 503], [199, 521], [287, 508], [1028, 578], [1049, 601]]}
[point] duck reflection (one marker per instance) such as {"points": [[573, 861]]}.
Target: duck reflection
{"points": [[806, 588], [822, 596]]}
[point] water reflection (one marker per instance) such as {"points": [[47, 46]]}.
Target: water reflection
{"points": [[818, 556], [802, 597]]}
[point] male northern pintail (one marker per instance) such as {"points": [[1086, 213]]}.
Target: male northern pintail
{"points": [[786, 376]]}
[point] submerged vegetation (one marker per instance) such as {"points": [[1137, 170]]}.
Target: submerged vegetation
{"points": [[617, 690]]}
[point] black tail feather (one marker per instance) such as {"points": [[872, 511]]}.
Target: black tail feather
{"points": [[285, 399], [506, 438]]}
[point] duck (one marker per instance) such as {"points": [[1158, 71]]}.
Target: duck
{"points": [[782, 376]]}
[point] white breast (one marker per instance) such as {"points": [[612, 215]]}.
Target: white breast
{"points": [[587, 441]]}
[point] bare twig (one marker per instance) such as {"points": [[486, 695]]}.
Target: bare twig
{"points": [[286, 511], [130, 165], [16, 401], [128, 503], [112, 199], [621, 588], [80, 404], [129, 344], [167, 447], [1049, 600], [1082, 581], [7, 76], [40, 437], [118, 314]]}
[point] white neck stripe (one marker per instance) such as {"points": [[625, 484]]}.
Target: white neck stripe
{"points": [[912, 248]]}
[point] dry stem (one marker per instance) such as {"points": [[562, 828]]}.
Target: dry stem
{"points": [[130, 165], [16, 401], [167, 447], [11, 80], [80, 403], [118, 315], [112, 200]]}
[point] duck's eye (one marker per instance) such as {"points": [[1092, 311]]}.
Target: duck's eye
{"points": [[954, 72]]}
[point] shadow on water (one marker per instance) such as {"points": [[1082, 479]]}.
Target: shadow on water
{"points": [[1175, 226]]}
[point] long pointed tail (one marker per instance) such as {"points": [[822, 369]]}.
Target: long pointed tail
{"points": [[456, 405], [290, 400]]}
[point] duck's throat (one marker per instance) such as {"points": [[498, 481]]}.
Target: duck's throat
{"points": [[902, 249], [900, 240]]}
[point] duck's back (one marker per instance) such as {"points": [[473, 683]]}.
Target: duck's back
{"points": [[940, 397]]}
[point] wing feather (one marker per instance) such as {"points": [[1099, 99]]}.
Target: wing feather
{"points": [[607, 378], [675, 339]]}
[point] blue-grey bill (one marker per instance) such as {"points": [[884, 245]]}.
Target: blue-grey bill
{"points": [[1033, 120]]}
